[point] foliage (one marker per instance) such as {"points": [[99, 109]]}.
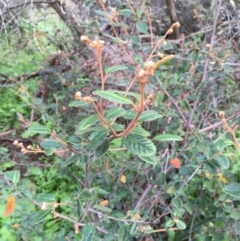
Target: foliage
{"points": [[131, 157]]}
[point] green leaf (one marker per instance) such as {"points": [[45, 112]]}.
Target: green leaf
{"points": [[129, 115], [13, 176], [142, 27], [115, 68], [39, 129], [87, 122], [83, 159], [102, 208], [41, 216], [75, 140], [149, 115], [139, 145], [112, 96], [170, 223], [45, 197], [123, 234], [102, 149], [125, 12], [99, 138], [16, 177], [69, 161], [180, 224], [150, 159], [86, 195], [118, 127], [50, 143], [195, 56], [115, 112], [49, 151], [140, 131], [135, 95], [233, 189], [78, 103], [223, 161], [88, 233], [167, 137]]}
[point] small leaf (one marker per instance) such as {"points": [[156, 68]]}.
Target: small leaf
{"points": [[180, 224], [129, 115], [41, 216], [86, 195], [133, 94], [115, 68], [10, 206], [112, 96], [233, 189], [125, 12], [102, 208], [140, 131], [78, 103], [88, 233], [87, 122], [69, 161], [149, 115], [175, 162], [75, 140], [223, 161], [150, 159], [98, 138], [139, 145], [39, 129], [170, 223], [115, 112], [167, 137], [50, 143], [123, 234], [195, 56], [142, 27], [102, 149], [45, 197], [13, 176]]}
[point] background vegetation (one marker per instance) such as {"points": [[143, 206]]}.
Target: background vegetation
{"points": [[99, 143]]}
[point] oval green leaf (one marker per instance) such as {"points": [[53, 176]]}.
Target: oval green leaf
{"points": [[102, 149], [39, 129], [167, 137], [41, 216], [112, 96], [149, 115], [139, 145], [87, 122], [149, 159], [115, 68]]}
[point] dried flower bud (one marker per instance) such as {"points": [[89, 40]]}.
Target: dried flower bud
{"points": [[29, 147], [149, 65], [170, 30], [176, 25], [222, 114], [84, 39], [20, 144], [164, 43], [44, 206], [78, 95], [15, 142], [141, 73]]}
